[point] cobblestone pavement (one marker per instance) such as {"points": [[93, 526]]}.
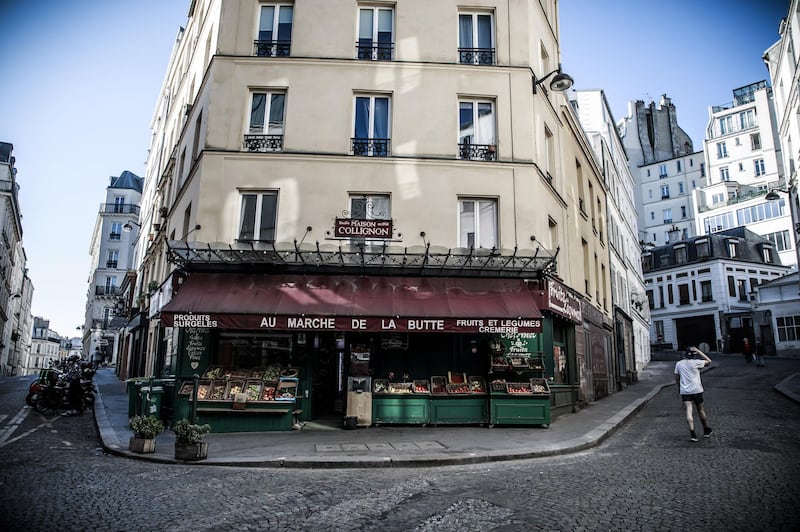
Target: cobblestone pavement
{"points": [[647, 476]]}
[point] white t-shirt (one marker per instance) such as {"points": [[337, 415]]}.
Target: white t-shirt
{"points": [[689, 371]]}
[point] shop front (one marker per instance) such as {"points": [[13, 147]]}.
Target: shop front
{"points": [[258, 352]]}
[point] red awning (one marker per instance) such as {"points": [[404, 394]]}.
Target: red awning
{"points": [[351, 303]]}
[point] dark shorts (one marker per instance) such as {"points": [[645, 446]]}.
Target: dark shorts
{"points": [[696, 398]]}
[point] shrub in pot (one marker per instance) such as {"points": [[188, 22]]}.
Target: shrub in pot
{"points": [[145, 429], [190, 440]]}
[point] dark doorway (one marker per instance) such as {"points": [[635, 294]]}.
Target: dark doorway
{"points": [[695, 330]]}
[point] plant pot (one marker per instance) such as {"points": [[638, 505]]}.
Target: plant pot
{"points": [[142, 445], [191, 451]]}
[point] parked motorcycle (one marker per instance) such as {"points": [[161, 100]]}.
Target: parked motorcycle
{"points": [[51, 391]]}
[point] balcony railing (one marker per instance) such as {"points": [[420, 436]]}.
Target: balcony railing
{"points": [[119, 208], [476, 56], [114, 236], [271, 48], [106, 291], [263, 143], [477, 152], [365, 147], [375, 51], [111, 264]]}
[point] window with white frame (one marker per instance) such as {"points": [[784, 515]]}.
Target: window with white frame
{"points": [[747, 119], [371, 126], [116, 231], [701, 248], [788, 328], [110, 286], [274, 30], [667, 215], [477, 223], [780, 239], [258, 216], [733, 247], [266, 126], [476, 38], [112, 258], [755, 141], [725, 124], [724, 174], [476, 130], [662, 171], [370, 207], [722, 150], [375, 33], [664, 191], [759, 167], [680, 187]]}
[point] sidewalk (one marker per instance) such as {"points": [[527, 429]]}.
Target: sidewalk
{"points": [[318, 446]]}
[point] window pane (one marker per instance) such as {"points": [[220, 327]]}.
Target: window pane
{"points": [[257, 113], [467, 224], [268, 215], [266, 23], [276, 114], [487, 224], [358, 208], [365, 27], [485, 124], [247, 217], [484, 31], [362, 118], [381, 125], [285, 24], [465, 31], [384, 26], [465, 122]]}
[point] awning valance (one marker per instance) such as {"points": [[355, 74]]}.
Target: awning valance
{"points": [[353, 303]]}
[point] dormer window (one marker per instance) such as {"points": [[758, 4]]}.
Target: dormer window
{"points": [[733, 248]]}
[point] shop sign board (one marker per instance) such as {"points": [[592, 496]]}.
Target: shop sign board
{"points": [[506, 326], [355, 228], [196, 342], [561, 300]]}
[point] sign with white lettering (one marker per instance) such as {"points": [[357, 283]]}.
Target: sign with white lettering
{"points": [[506, 326], [355, 228]]}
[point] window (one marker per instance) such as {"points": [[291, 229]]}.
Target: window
{"points": [[747, 119], [662, 171], [678, 164], [375, 33], [265, 131], [370, 207], [274, 31], [664, 191], [257, 216], [732, 248], [680, 255], [667, 215], [759, 167], [475, 38], [766, 253], [111, 286], [725, 124], [780, 239], [680, 188], [116, 231], [731, 286], [196, 146], [476, 130], [788, 328], [723, 174], [705, 290], [683, 294], [477, 223], [683, 211], [670, 295], [371, 129], [112, 258], [755, 141], [701, 248], [741, 285], [722, 150], [119, 205]]}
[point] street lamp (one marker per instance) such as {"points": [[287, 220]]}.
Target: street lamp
{"points": [[791, 193], [128, 226], [559, 83]]}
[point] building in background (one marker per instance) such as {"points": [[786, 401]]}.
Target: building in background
{"points": [[407, 170], [46, 347], [631, 312], [112, 255], [16, 290]]}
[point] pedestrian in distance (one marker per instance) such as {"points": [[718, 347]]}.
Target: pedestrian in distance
{"points": [[97, 358], [690, 388], [747, 350], [759, 354]]}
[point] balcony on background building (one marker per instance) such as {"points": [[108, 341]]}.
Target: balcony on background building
{"points": [[374, 51], [102, 290], [365, 147], [477, 152], [114, 236], [119, 208], [111, 264], [476, 56], [271, 48], [263, 143]]}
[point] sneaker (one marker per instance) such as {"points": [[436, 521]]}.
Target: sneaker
{"points": [[707, 432], [693, 436]]}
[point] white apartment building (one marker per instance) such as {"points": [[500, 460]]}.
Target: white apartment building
{"points": [[112, 256], [411, 142], [631, 313]]}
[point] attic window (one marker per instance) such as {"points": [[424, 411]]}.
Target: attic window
{"points": [[680, 254], [701, 247], [733, 248], [767, 254]]}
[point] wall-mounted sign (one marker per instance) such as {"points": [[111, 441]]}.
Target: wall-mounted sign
{"points": [[354, 228]]}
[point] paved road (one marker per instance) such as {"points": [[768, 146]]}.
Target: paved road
{"points": [[647, 476]]}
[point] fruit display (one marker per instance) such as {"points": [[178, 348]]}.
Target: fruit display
{"points": [[421, 387], [401, 387], [499, 385], [253, 390], [214, 372], [438, 385], [519, 388], [268, 393], [380, 386], [456, 378], [540, 387], [518, 361], [257, 373], [476, 384], [186, 389], [287, 390], [272, 372], [234, 387], [458, 388], [202, 391], [217, 392]]}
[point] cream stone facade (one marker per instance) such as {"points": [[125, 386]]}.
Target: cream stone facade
{"points": [[462, 147]]}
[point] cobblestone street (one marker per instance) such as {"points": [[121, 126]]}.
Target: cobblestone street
{"points": [[647, 476]]}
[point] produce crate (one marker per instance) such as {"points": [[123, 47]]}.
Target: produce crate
{"points": [[234, 387], [253, 390], [203, 390], [422, 386], [401, 387], [380, 386], [438, 385], [257, 373], [268, 391], [213, 372], [540, 387], [519, 388], [186, 389], [217, 391], [499, 385], [287, 390], [476, 384], [456, 378], [458, 389]]}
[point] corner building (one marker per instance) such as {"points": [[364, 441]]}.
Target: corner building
{"points": [[378, 220]]}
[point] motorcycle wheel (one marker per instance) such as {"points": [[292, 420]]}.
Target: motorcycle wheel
{"points": [[42, 404], [30, 399], [88, 399]]}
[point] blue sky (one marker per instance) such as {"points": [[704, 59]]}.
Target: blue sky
{"points": [[80, 80]]}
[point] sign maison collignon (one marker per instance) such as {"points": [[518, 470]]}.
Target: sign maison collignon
{"points": [[354, 228]]}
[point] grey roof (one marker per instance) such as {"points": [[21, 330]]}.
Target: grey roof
{"points": [[128, 180]]}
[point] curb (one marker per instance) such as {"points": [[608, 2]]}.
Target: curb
{"points": [[784, 387]]}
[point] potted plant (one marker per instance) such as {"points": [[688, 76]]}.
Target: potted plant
{"points": [[190, 440], [152, 286], [145, 429]]}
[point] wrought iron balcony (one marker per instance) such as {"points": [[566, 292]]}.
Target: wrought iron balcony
{"points": [[114, 236], [271, 48], [111, 264], [477, 152], [119, 208], [375, 51], [263, 143], [106, 290], [365, 147], [476, 56]]}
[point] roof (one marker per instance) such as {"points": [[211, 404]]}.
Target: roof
{"points": [[127, 180]]}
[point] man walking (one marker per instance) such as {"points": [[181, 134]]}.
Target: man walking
{"points": [[690, 388]]}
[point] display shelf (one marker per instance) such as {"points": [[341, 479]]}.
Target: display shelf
{"points": [[462, 409], [408, 409]]}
